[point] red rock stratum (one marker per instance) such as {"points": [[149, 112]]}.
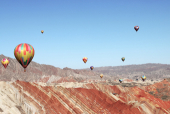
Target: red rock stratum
{"points": [[91, 98]]}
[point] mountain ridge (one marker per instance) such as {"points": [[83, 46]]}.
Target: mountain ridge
{"points": [[36, 71]]}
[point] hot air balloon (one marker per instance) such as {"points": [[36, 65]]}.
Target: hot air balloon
{"points": [[101, 75], [136, 28], [42, 31], [91, 67], [85, 59], [123, 59], [5, 62], [24, 54], [120, 80], [143, 77]]}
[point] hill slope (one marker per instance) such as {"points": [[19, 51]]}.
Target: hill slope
{"points": [[36, 71]]}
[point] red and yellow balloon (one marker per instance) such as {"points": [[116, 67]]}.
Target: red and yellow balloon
{"points": [[5, 62], [24, 54], [42, 31], [101, 75], [85, 59]]}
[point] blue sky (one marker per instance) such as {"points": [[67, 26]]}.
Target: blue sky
{"points": [[102, 30]]}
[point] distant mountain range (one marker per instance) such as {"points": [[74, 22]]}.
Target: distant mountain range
{"points": [[151, 71], [35, 71]]}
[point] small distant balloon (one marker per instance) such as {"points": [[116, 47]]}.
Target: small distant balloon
{"points": [[85, 59], [143, 77], [123, 59], [120, 80], [91, 67], [24, 54], [42, 31], [136, 28], [101, 75], [5, 62]]}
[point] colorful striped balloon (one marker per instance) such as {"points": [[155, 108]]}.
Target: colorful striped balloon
{"points": [[123, 59], [143, 77], [5, 62], [24, 54]]}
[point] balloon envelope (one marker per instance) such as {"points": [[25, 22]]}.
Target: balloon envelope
{"points": [[143, 77], [5, 62], [136, 28], [120, 80], [24, 54], [101, 75], [123, 58], [91, 67], [42, 31], [85, 59]]}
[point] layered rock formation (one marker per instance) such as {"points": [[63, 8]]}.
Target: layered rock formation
{"points": [[159, 90], [79, 98]]}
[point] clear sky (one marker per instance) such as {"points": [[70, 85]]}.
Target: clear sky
{"points": [[102, 30]]}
